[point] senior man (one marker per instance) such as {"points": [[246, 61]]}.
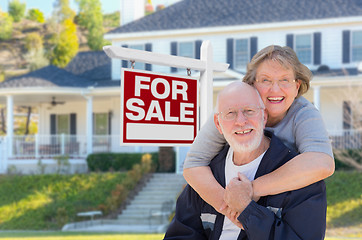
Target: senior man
{"points": [[250, 153]]}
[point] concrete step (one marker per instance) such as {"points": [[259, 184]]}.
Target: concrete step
{"points": [[160, 188]]}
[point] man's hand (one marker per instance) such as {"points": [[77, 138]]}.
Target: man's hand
{"points": [[231, 214], [238, 193]]}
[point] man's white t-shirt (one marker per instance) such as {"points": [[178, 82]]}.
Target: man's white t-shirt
{"points": [[230, 230]]}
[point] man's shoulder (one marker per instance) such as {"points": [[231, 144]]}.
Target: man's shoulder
{"points": [[220, 157]]}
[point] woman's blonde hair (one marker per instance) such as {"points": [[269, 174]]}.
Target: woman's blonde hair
{"points": [[287, 58]]}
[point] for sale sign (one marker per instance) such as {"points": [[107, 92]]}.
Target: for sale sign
{"points": [[158, 109]]}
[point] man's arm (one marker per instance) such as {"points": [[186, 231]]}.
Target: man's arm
{"points": [[302, 217], [295, 215], [186, 223]]}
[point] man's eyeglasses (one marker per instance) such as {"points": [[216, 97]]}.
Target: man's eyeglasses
{"points": [[232, 113], [283, 83]]}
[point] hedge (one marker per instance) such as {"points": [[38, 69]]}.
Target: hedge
{"points": [[117, 161], [354, 153]]}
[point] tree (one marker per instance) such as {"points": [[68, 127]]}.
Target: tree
{"points": [[36, 15], [65, 44], [91, 18], [17, 10], [6, 26], [62, 11], [64, 40]]}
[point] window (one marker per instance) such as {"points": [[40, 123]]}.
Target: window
{"points": [[63, 124], [138, 65], [186, 49], [356, 46], [100, 124], [303, 48], [241, 53]]}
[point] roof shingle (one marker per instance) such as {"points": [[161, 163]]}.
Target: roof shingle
{"points": [[216, 13]]}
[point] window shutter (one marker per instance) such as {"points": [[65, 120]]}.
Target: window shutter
{"points": [[174, 52], [347, 115], [289, 40], [197, 49], [53, 124], [317, 48], [346, 46], [230, 52], [53, 128], [124, 62], [148, 47], [73, 124], [253, 46], [110, 113]]}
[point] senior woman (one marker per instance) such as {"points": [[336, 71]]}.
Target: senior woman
{"points": [[280, 79]]}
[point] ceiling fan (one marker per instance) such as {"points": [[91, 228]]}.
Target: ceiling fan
{"points": [[54, 103]]}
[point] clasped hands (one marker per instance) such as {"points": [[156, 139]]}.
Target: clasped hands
{"points": [[237, 196]]}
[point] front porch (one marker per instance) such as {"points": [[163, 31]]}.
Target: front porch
{"points": [[31, 152], [36, 153]]}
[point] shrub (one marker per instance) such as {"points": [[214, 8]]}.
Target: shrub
{"points": [[36, 15], [17, 10], [33, 41], [343, 157], [6, 26], [117, 161]]}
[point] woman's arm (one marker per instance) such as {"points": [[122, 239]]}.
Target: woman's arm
{"points": [[204, 183], [207, 144], [303, 170]]}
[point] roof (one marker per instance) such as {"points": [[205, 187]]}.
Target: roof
{"points": [[95, 65], [215, 13], [49, 76], [86, 69]]}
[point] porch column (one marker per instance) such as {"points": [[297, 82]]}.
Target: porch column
{"points": [[317, 97], [89, 124], [10, 124]]}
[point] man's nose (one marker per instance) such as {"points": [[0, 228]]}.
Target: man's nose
{"points": [[241, 119]]}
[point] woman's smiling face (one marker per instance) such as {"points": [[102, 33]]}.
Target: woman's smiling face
{"points": [[276, 96]]}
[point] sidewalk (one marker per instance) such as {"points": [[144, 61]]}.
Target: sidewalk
{"points": [[113, 226]]}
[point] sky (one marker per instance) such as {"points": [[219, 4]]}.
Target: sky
{"points": [[46, 6]]}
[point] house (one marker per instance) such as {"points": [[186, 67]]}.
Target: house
{"points": [[326, 35], [79, 106]]}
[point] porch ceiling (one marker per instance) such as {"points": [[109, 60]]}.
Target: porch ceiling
{"points": [[37, 96]]}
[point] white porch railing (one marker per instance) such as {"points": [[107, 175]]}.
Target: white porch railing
{"points": [[75, 146], [346, 139]]}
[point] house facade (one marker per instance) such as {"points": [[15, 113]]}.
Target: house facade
{"points": [[326, 35], [79, 106]]}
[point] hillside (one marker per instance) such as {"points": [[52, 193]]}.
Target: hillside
{"points": [[13, 51]]}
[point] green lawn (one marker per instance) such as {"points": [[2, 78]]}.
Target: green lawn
{"points": [[42, 202], [76, 236], [92, 236]]}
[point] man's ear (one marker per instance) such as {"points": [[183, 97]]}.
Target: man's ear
{"points": [[217, 123]]}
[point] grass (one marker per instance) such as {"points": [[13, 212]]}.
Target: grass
{"points": [[76, 236], [35, 202], [344, 197], [93, 236], [47, 202]]}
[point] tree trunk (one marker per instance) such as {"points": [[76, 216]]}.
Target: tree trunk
{"points": [[27, 121], [3, 126]]}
